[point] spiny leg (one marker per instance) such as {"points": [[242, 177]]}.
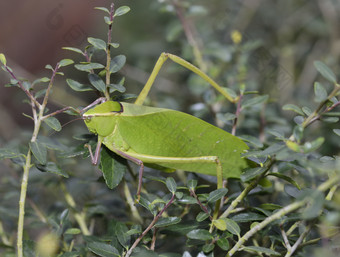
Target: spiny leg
{"points": [[162, 58]]}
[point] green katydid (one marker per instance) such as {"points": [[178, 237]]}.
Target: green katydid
{"points": [[165, 138]]}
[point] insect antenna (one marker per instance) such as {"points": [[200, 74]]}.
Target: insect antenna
{"points": [[65, 124]]}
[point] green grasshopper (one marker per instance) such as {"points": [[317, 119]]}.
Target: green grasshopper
{"points": [[165, 138]]}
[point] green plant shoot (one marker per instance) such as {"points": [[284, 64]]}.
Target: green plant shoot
{"points": [[164, 138]]}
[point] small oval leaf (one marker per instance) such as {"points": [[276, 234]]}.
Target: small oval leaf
{"points": [[97, 82], [79, 87], [65, 62], [53, 123], [171, 184], [122, 10], [39, 151], [97, 43], [117, 63], [217, 194], [326, 72], [200, 234]]}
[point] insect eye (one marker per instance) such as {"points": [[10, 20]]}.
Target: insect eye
{"points": [[87, 119]]}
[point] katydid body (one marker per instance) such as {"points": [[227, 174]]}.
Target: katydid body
{"points": [[166, 138]]}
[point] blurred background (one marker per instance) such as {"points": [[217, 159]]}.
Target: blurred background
{"points": [[280, 41], [264, 45]]}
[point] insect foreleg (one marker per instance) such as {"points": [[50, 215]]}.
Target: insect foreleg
{"points": [[95, 157]]}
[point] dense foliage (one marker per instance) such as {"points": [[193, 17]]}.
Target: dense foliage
{"points": [[55, 203]]}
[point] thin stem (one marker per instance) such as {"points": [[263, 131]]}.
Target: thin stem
{"points": [[27, 92], [22, 200], [59, 111], [237, 114], [108, 54], [190, 32], [150, 226], [297, 243], [315, 114], [245, 192], [203, 207], [285, 239]]}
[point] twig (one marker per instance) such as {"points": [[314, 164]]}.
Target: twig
{"points": [[149, 227], [203, 207], [297, 243], [245, 192], [108, 54]]}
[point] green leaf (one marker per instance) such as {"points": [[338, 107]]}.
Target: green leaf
{"points": [[74, 50], [122, 10], [107, 20], [51, 167], [7, 153], [320, 92], [217, 194], [102, 9], [337, 131], [259, 249], [65, 62], [223, 243], [171, 185], [117, 87], [53, 123], [294, 108], [200, 234], [117, 63], [88, 67], [49, 67], [326, 72], [232, 227], [164, 222], [330, 119], [208, 248], [192, 184], [315, 204], [121, 232], [3, 59], [246, 217], [251, 173], [39, 151], [114, 45], [284, 177], [41, 80], [306, 110], [97, 82], [254, 101], [253, 140], [270, 206], [188, 200], [103, 250], [113, 167], [202, 216], [312, 146], [76, 86], [220, 224], [97, 43]]}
